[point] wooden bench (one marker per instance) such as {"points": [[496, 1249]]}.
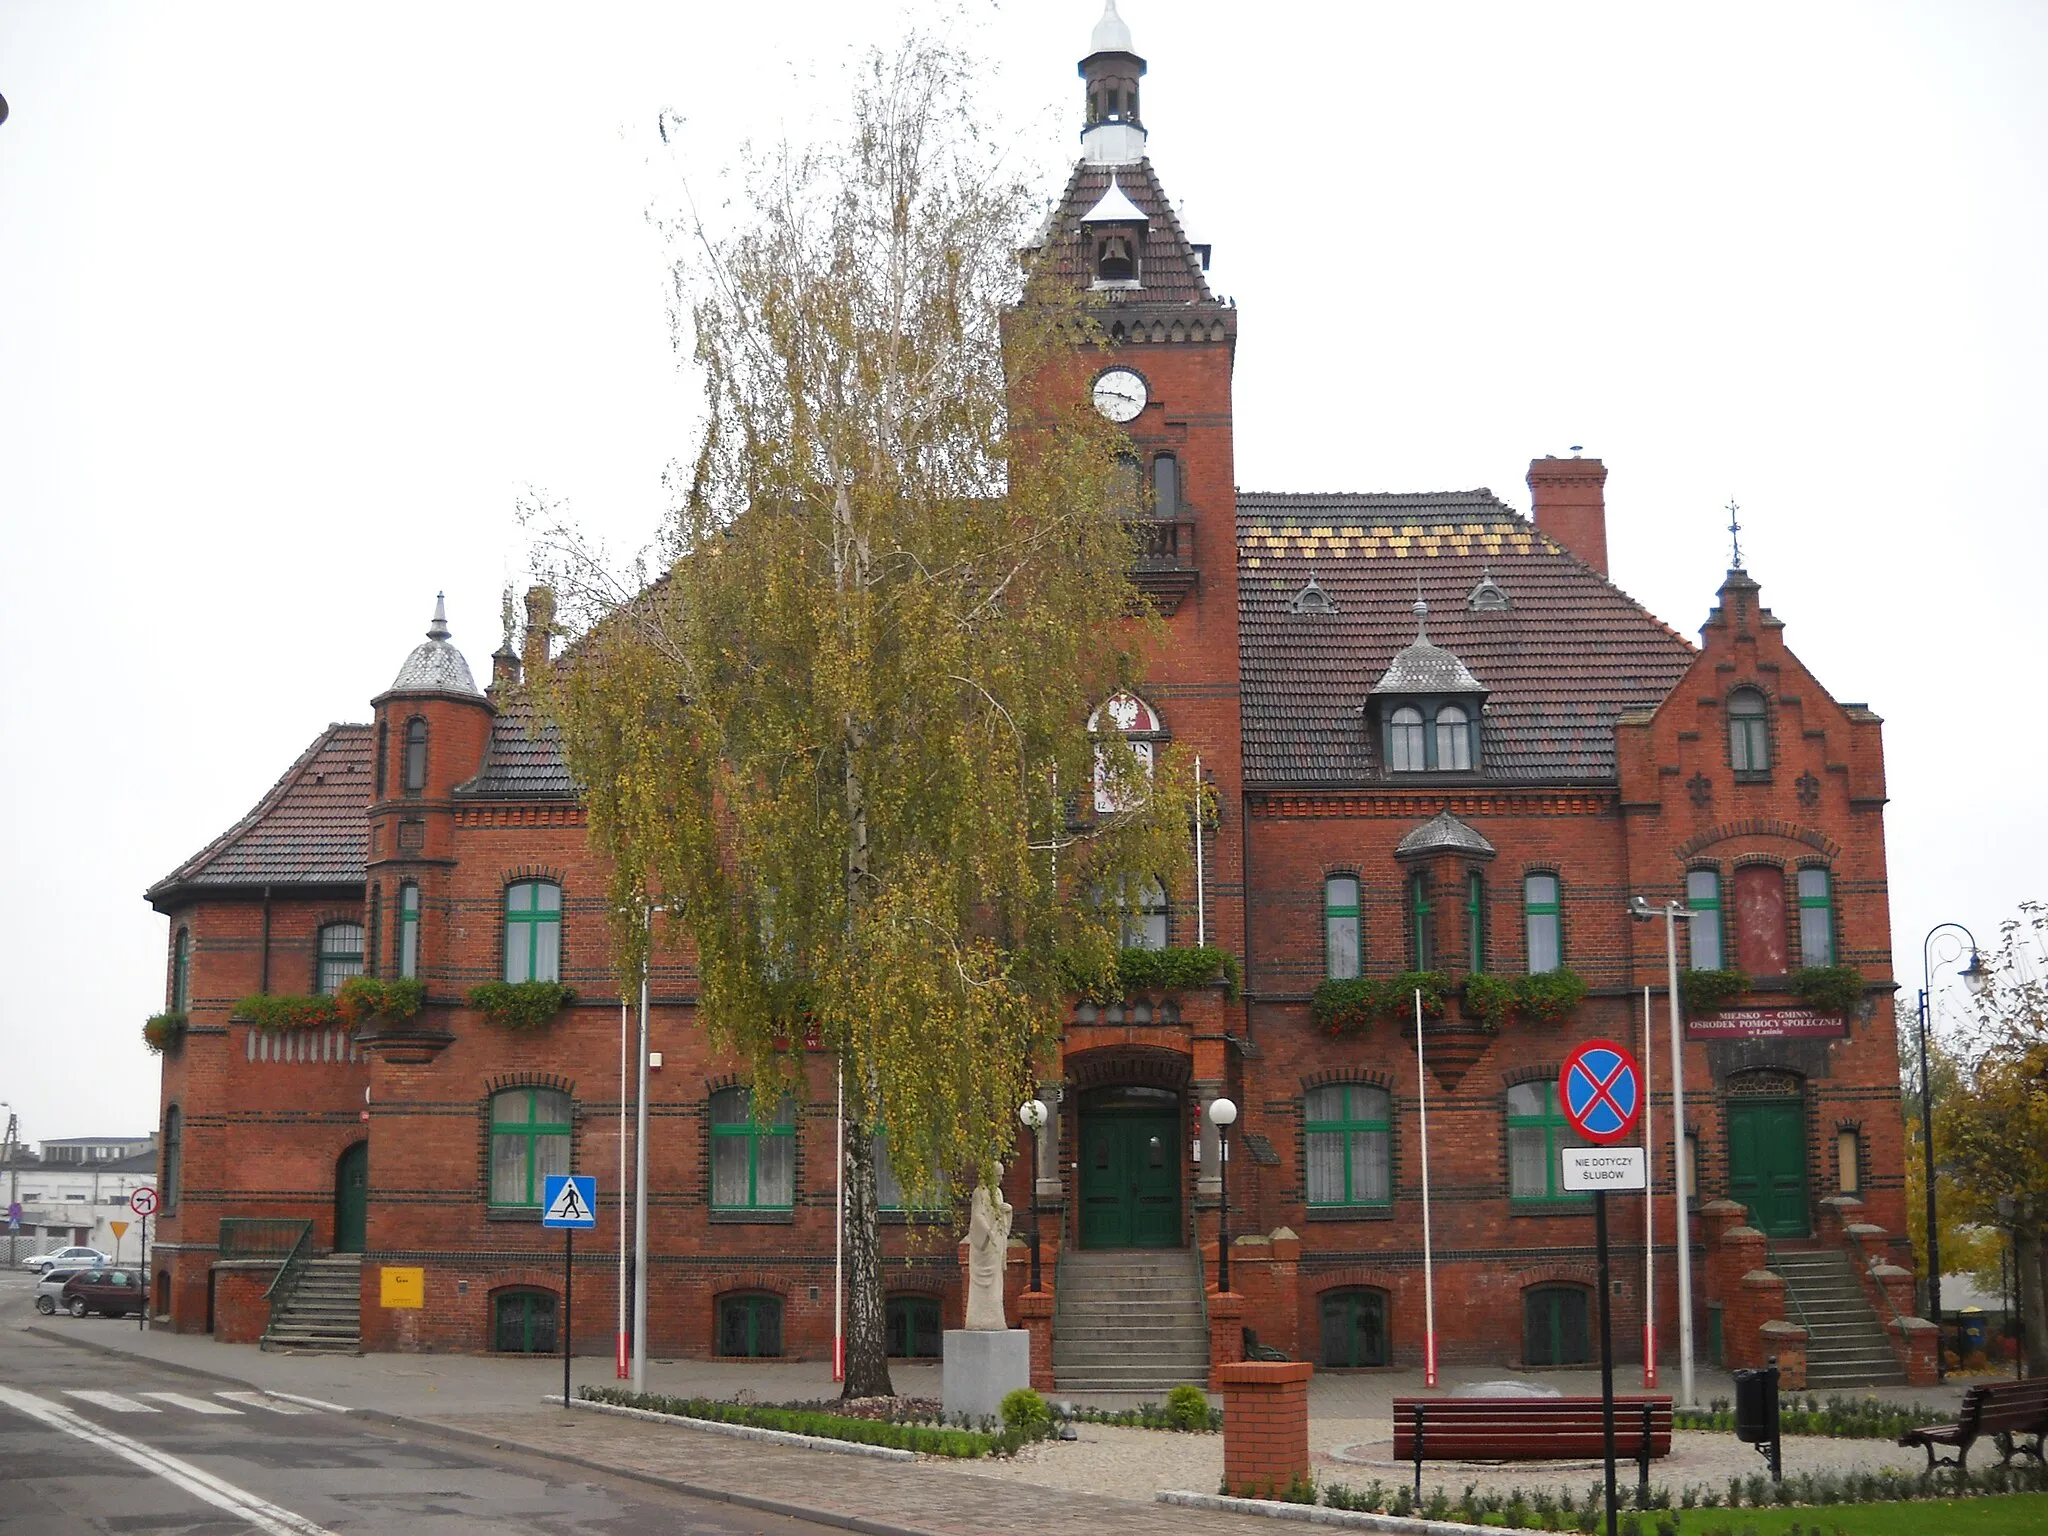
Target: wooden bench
{"points": [[2003, 1410], [1528, 1429]]}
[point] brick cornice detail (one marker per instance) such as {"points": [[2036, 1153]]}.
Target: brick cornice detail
{"points": [[1280, 804], [1759, 826], [519, 816]]}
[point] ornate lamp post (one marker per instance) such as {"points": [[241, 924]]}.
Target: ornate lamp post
{"points": [[1978, 978], [1031, 1113], [1223, 1115]]}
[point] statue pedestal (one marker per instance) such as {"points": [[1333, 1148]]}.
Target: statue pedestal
{"points": [[981, 1367]]}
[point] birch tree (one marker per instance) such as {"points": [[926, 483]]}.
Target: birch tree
{"points": [[841, 738]]}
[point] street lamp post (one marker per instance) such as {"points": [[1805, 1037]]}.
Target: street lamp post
{"points": [[1977, 978], [1223, 1115], [1032, 1114], [1672, 911]]}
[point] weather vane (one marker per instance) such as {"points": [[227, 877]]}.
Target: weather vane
{"points": [[1734, 535]]}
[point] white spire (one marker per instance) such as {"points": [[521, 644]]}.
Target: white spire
{"points": [[1114, 207], [1112, 35]]}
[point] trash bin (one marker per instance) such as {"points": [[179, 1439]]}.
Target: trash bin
{"points": [[1974, 1328], [1756, 1405]]}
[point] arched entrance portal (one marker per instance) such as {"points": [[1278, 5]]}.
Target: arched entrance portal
{"points": [[352, 1198], [1767, 1150], [1130, 1168]]}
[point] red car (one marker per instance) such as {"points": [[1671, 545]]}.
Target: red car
{"points": [[110, 1292]]}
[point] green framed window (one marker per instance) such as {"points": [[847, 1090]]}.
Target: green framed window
{"points": [[533, 931], [181, 971], [1816, 917], [1537, 1135], [1421, 942], [912, 1324], [1144, 925], [1703, 895], [523, 1323], [1407, 737], [1347, 1128], [1475, 920], [529, 1141], [373, 953], [1749, 732], [415, 756], [1540, 923], [1554, 1325], [1340, 927], [339, 955], [174, 1158], [408, 929], [750, 1326], [753, 1166], [1453, 739], [1355, 1327]]}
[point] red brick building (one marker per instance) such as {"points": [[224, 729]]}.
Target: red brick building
{"points": [[1442, 742]]}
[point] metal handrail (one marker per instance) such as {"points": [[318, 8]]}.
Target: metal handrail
{"points": [[1771, 1263], [291, 1269]]}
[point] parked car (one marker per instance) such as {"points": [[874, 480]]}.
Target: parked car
{"points": [[50, 1289], [71, 1257], [109, 1292]]}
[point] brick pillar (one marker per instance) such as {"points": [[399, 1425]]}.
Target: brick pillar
{"points": [[1034, 1313], [1786, 1343], [1914, 1341], [1265, 1424], [1226, 1333]]}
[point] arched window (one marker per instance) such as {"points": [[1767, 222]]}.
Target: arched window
{"points": [[383, 753], [529, 1141], [408, 929], [750, 1325], [174, 1159], [1475, 920], [753, 1166], [415, 755], [340, 955], [1816, 917], [1453, 739], [913, 1327], [373, 955], [1703, 896], [1554, 1325], [1537, 1135], [1421, 930], [523, 1322], [1166, 485], [1136, 721], [1355, 1327], [1143, 923], [1749, 735], [1540, 920], [1347, 1129], [533, 931], [1340, 927], [1849, 1162], [1405, 745], [181, 971]]}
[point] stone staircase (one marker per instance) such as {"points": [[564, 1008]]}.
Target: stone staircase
{"points": [[323, 1314], [1846, 1344], [1129, 1320]]}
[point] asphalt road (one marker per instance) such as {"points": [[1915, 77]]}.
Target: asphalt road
{"points": [[97, 1443]]}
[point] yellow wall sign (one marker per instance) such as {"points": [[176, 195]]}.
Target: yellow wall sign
{"points": [[403, 1287]]}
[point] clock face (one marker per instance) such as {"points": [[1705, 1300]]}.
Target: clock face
{"points": [[1120, 394]]}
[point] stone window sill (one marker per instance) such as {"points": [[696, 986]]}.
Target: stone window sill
{"points": [[1571, 1205], [1351, 1213], [754, 1218], [529, 1214]]}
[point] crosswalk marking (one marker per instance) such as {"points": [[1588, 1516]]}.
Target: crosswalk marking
{"points": [[113, 1402], [191, 1404], [258, 1400]]}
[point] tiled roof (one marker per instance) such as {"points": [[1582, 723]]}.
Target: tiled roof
{"points": [[1426, 668], [524, 758], [1443, 831], [435, 666], [312, 828], [1170, 269], [1569, 655]]}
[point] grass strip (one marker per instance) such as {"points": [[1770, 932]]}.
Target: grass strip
{"points": [[2012, 1514], [924, 1440]]}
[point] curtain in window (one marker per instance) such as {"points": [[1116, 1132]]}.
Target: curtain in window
{"points": [[1749, 739], [533, 931], [408, 929], [1529, 1142], [529, 1142], [1703, 895], [1405, 750], [341, 955], [1340, 927], [1144, 927], [181, 971], [1539, 896], [1816, 918], [1453, 739]]}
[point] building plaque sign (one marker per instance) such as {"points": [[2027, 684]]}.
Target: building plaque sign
{"points": [[1768, 1024]]}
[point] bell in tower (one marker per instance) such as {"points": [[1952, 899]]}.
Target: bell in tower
{"points": [[1115, 134]]}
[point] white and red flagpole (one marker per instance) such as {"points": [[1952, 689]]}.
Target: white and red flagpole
{"points": [[839, 1232], [1649, 1212], [624, 1363], [1428, 1273]]}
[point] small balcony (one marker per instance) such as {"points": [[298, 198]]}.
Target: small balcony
{"points": [[1164, 569]]}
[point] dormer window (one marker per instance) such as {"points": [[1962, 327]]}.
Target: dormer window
{"points": [[1405, 741], [1453, 740], [1428, 705], [1312, 599]]}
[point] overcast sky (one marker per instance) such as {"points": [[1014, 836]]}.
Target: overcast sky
{"points": [[296, 301]]}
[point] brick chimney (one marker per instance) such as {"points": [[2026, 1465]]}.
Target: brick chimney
{"points": [[1567, 501], [540, 629]]}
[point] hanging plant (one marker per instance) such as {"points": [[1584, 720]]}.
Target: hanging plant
{"points": [[520, 1005], [397, 1000], [1708, 992], [1836, 989], [1489, 1000], [163, 1032], [1550, 997], [1348, 1007], [274, 1012], [1399, 1001], [1176, 970]]}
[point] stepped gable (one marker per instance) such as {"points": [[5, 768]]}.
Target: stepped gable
{"points": [[1172, 269], [1566, 656], [312, 828], [524, 759]]}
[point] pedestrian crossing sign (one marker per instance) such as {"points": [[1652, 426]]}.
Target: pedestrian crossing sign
{"points": [[569, 1200]]}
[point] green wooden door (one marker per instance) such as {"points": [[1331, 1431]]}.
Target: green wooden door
{"points": [[1130, 1177], [352, 1198], [1767, 1163]]}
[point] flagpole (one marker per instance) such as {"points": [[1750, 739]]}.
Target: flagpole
{"points": [[1649, 1209], [623, 1365], [839, 1227], [1428, 1272]]}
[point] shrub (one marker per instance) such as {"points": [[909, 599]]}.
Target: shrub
{"points": [[276, 1011], [1348, 1007], [1025, 1412], [1710, 991], [398, 999], [1551, 997], [1489, 1000], [163, 1031], [1836, 989], [1170, 970], [1187, 1407], [828, 1426], [520, 1005]]}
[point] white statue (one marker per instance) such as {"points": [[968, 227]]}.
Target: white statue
{"points": [[988, 1243]]}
